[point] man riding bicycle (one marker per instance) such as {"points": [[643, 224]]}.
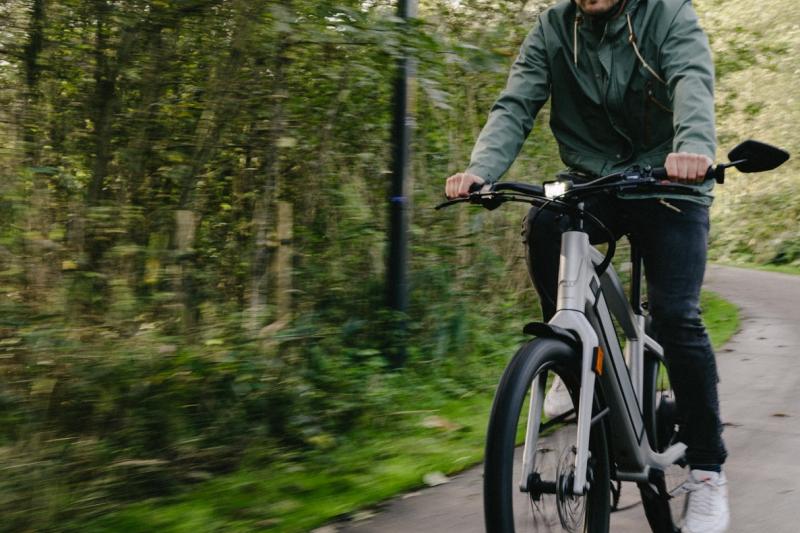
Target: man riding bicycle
{"points": [[630, 83]]}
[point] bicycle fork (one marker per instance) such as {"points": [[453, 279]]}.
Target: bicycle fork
{"points": [[576, 274]]}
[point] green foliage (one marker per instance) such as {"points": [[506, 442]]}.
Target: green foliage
{"points": [[143, 342], [754, 216], [720, 316], [150, 338], [429, 426]]}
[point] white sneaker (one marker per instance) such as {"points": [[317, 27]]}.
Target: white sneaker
{"points": [[557, 400], [707, 507]]}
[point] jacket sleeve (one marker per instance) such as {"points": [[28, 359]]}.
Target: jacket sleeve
{"points": [[512, 115], [689, 70]]}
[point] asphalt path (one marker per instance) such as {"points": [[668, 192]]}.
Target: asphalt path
{"points": [[760, 401]]}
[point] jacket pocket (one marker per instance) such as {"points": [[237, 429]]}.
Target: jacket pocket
{"points": [[656, 109]]}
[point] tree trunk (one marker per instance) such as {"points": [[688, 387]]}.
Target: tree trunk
{"points": [[40, 256], [282, 266], [101, 105], [222, 106], [31, 54], [185, 229], [259, 274]]}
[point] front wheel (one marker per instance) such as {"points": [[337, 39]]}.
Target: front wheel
{"points": [[544, 500]]}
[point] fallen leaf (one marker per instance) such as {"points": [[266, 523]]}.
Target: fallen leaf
{"points": [[362, 515], [434, 479]]}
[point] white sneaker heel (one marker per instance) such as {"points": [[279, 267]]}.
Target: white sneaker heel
{"points": [[707, 509], [557, 401]]}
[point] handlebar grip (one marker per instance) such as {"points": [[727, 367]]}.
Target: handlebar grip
{"points": [[715, 173], [660, 173]]}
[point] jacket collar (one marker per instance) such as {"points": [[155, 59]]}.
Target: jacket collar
{"points": [[607, 27], [609, 24]]}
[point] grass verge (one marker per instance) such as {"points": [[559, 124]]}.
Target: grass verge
{"points": [[430, 434], [783, 269], [720, 316]]}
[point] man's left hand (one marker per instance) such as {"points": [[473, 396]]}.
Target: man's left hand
{"points": [[687, 168]]}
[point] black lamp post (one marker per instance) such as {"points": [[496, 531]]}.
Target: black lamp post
{"points": [[399, 201]]}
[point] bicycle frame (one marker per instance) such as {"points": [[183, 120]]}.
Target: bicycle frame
{"points": [[585, 305]]}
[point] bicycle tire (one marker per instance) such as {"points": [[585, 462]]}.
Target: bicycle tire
{"points": [[533, 358], [663, 511]]}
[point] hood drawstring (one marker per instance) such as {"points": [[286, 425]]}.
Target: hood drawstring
{"points": [[632, 40]]}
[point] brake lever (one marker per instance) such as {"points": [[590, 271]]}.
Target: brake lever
{"points": [[489, 201]]}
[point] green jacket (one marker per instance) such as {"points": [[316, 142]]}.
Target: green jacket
{"points": [[610, 109]]}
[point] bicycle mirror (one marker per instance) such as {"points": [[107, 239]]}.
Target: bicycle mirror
{"points": [[755, 156]]}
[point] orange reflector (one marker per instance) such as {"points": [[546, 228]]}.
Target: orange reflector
{"points": [[598, 361]]}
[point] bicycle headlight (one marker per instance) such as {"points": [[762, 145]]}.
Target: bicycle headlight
{"points": [[554, 189]]}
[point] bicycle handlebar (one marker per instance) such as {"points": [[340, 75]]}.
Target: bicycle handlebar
{"points": [[648, 180], [748, 156]]}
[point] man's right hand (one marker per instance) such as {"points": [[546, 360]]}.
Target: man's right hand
{"points": [[458, 185]]}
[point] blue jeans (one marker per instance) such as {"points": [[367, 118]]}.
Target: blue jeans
{"points": [[673, 246]]}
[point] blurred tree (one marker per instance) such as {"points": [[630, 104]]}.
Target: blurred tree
{"points": [[193, 232]]}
